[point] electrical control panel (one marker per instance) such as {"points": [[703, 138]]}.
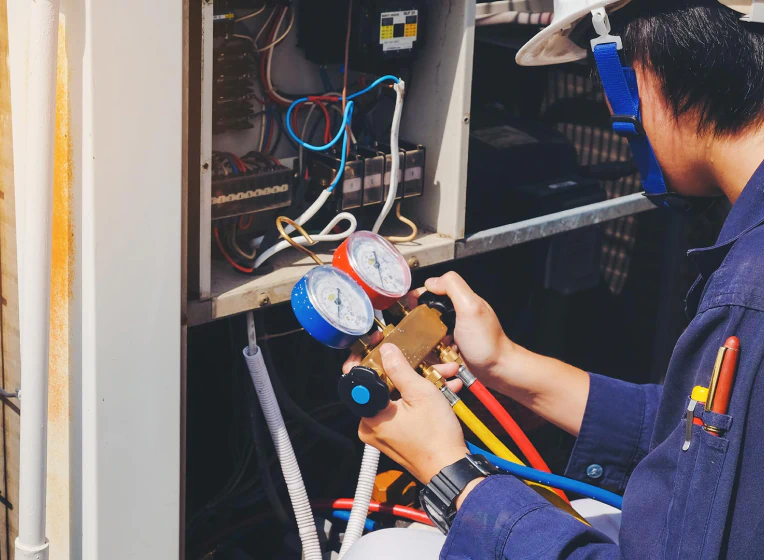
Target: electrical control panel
{"points": [[273, 125]]}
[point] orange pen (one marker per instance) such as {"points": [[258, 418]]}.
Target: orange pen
{"points": [[721, 388]]}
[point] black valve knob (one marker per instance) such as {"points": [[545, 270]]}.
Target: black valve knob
{"points": [[444, 305], [364, 393]]}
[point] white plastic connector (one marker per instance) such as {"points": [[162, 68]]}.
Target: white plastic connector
{"points": [[601, 23], [757, 12]]}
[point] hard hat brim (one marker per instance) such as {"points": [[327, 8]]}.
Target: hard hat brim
{"points": [[553, 45]]}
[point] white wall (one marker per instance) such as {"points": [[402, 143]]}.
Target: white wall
{"points": [[125, 97]]}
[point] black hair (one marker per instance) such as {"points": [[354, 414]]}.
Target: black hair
{"points": [[710, 64]]}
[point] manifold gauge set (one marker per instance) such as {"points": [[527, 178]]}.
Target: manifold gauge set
{"points": [[335, 304]]}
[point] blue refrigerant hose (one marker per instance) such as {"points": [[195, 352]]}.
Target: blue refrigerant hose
{"points": [[369, 524], [553, 480]]}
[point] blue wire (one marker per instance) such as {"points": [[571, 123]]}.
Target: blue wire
{"points": [[345, 120], [325, 79], [233, 165], [369, 524], [373, 85], [553, 480]]}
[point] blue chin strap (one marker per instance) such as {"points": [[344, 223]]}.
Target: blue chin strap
{"points": [[620, 84]]}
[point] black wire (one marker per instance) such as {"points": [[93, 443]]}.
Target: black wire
{"points": [[269, 486], [298, 413], [258, 437]]}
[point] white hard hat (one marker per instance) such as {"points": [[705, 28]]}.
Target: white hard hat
{"points": [[553, 45]]}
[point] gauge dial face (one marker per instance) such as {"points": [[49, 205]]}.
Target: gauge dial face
{"points": [[379, 264], [340, 300]]}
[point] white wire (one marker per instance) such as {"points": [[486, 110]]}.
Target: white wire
{"points": [[264, 27], [400, 88], [262, 131], [269, 53], [323, 236]]}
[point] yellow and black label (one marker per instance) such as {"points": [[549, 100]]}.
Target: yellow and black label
{"points": [[398, 30]]}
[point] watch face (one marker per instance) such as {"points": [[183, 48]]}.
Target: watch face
{"points": [[433, 511]]}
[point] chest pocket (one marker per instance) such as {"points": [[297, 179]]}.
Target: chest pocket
{"points": [[698, 510]]}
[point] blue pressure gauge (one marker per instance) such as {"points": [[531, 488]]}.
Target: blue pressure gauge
{"points": [[332, 307]]}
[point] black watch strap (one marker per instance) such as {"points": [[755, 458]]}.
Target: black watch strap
{"points": [[439, 496]]}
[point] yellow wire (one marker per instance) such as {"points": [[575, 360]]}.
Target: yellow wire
{"points": [[495, 445]]}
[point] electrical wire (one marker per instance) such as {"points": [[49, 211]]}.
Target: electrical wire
{"points": [[345, 69], [253, 14], [414, 229], [395, 156], [561, 482], [324, 235], [235, 245], [282, 36], [227, 257], [298, 413]]}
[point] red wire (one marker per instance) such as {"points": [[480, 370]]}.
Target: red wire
{"points": [[317, 100], [403, 512], [514, 431], [232, 262], [241, 222]]}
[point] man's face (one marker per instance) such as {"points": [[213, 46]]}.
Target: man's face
{"points": [[681, 153]]}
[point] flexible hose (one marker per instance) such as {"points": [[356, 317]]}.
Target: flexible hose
{"points": [[344, 515], [494, 444], [483, 433], [362, 498], [291, 470], [403, 512], [508, 423], [552, 479], [395, 156]]}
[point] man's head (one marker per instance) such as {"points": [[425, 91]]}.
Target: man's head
{"points": [[700, 72], [701, 79]]}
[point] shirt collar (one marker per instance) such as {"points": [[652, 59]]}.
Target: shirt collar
{"points": [[747, 213]]}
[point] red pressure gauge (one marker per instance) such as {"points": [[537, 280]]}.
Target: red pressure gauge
{"points": [[379, 268]]}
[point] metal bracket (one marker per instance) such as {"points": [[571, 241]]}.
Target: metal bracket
{"points": [[10, 394]]}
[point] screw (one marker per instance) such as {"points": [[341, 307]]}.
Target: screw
{"points": [[263, 300], [466, 119], [413, 262], [206, 165]]}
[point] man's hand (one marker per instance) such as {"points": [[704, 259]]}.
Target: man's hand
{"points": [[478, 333], [419, 431]]}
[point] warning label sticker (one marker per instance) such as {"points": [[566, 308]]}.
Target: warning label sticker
{"points": [[398, 30]]}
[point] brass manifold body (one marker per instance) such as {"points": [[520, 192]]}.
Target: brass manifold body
{"points": [[419, 336]]}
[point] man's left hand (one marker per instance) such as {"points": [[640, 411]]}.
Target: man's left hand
{"points": [[419, 431]]}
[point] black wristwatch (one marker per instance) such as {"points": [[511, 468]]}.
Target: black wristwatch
{"points": [[438, 498]]}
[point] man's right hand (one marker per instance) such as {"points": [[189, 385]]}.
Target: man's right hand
{"points": [[478, 333]]}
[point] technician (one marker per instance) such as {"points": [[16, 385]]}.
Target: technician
{"points": [[700, 101]]}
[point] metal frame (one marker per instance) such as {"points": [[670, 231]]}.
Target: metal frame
{"points": [[205, 160], [551, 224]]}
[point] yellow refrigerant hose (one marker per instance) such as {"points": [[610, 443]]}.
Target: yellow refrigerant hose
{"points": [[495, 445]]}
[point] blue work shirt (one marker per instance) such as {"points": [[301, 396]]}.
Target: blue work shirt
{"points": [[706, 502]]}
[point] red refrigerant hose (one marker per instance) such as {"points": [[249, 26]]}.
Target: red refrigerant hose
{"points": [[510, 426], [403, 512]]}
